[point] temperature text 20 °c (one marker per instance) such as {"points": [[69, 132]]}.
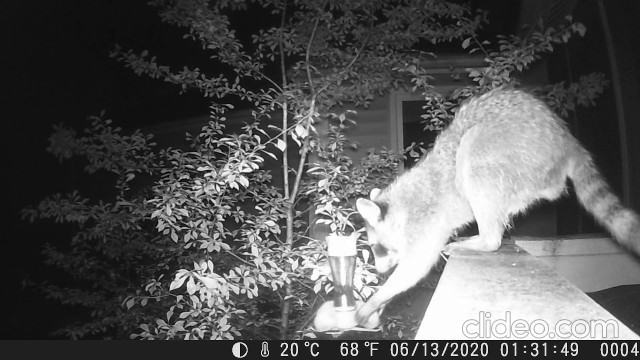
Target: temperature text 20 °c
{"points": [[292, 349]]}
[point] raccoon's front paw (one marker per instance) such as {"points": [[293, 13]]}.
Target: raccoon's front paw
{"points": [[450, 247], [367, 316], [363, 313]]}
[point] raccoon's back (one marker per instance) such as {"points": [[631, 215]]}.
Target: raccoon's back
{"points": [[514, 125], [507, 108], [510, 123]]}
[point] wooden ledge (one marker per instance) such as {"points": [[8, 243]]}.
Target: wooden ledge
{"points": [[509, 294]]}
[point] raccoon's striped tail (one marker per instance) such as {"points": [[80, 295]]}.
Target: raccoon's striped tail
{"points": [[596, 196]]}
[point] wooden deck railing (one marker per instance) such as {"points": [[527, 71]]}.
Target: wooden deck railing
{"points": [[510, 294]]}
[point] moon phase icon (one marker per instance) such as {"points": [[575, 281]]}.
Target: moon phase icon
{"points": [[239, 350]]}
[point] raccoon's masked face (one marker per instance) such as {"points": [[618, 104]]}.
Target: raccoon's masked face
{"points": [[379, 232]]}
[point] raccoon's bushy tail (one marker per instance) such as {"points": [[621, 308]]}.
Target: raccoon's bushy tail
{"points": [[596, 196]]}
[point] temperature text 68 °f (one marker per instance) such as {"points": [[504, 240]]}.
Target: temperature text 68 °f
{"points": [[353, 349]]}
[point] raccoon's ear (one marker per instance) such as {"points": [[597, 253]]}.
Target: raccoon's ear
{"points": [[374, 193], [368, 210]]}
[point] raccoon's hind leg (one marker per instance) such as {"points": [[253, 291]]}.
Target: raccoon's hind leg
{"points": [[491, 221], [479, 180]]}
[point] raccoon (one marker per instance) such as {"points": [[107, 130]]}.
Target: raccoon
{"points": [[504, 151]]}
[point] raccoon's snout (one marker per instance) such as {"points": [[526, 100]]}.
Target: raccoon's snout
{"points": [[384, 264]]}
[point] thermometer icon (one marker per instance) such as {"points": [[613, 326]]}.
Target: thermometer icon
{"points": [[265, 349]]}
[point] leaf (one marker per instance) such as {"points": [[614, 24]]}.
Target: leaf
{"points": [[130, 303], [315, 274], [191, 286], [466, 43], [207, 281], [243, 181], [301, 131], [365, 255], [184, 314], [177, 282], [281, 144]]}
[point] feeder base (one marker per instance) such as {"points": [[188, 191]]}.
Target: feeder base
{"points": [[329, 319]]}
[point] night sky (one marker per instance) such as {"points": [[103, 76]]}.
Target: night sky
{"points": [[56, 69]]}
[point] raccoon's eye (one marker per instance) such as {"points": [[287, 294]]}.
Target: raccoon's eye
{"points": [[379, 250]]}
